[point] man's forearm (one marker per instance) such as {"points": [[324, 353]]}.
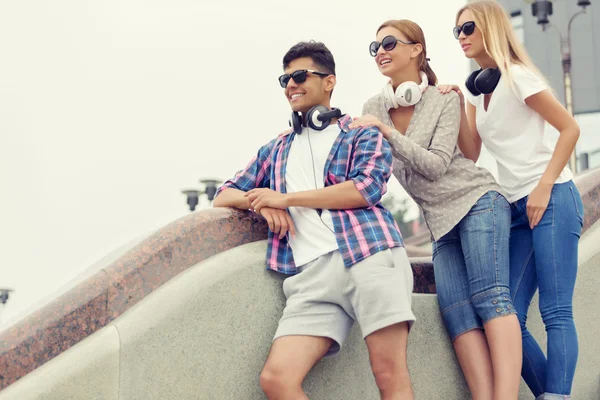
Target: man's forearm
{"points": [[232, 198], [343, 196]]}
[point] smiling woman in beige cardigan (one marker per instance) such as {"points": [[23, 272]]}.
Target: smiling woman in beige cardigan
{"points": [[465, 210]]}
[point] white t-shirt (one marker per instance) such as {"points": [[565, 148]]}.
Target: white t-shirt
{"points": [[315, 235], [513, 133]]}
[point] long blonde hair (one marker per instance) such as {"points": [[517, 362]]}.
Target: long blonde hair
{"points": [[499, 39], [414, 33]]}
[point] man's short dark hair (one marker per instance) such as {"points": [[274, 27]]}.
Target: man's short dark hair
{"points": [[316, 51]]}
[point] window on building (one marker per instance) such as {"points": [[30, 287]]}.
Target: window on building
{"points": [[588, 145], [516, 18]]}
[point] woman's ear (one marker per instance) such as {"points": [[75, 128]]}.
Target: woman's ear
{"points": [[418, 49]]}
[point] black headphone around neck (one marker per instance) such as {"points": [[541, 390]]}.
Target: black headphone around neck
{"points": [[317, 118], [483, 81]]}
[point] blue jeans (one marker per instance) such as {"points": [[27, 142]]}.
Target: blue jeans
{"points": [[471, 266], [546, 258]]}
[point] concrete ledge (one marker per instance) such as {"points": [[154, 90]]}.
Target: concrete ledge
{"points": [[207, 332], [90, 370], [54, 329], [96, 301], [107, 294]]}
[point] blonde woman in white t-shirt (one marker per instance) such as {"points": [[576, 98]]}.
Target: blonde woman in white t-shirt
{"points": [[509, 102]]}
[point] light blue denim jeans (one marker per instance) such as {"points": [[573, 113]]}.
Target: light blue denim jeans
{"points": [[546, 258], [471, 266]]}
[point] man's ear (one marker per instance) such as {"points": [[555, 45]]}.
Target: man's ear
{"points": [[418, 49], [330, 82]]}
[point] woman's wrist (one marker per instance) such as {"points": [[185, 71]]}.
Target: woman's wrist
{"points": [[385, 130]]}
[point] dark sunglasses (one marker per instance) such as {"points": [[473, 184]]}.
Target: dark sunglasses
{"points": [[388, 43], [298, 76], [467, 28]]}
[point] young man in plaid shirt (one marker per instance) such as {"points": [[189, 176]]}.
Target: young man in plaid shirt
{"points": [[319, 188]]}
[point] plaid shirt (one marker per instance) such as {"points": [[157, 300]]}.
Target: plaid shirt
{"points": [[360, 155]]}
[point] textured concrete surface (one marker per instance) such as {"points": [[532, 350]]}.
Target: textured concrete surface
{"points": [[206, 333], [207, 343], [88, 371], [586, 306], [589, 244]]}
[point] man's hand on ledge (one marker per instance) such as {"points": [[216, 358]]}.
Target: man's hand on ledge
{"points": [[260, 198], [279, 221]]}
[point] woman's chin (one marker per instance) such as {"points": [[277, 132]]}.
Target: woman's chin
{"points": [[385, 70]]}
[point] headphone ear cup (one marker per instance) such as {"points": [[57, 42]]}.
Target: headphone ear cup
{"points": [[296, 122], [389, 96], [313, 122], [487, 80], [470, 83], [408, 94]]}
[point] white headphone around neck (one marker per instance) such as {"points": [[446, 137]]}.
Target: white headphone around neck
{"points": [[406, 95]]}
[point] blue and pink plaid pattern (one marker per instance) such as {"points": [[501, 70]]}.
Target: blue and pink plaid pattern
{"points": [[360, 155]]}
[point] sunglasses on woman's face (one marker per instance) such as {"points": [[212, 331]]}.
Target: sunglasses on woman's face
{"points": [[467, 28], [298, 76], [388, 43]]}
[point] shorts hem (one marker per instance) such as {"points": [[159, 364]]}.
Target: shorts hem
{"points": [[406, 316], [335, 348]]}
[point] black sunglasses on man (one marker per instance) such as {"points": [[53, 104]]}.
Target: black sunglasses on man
{"points": [[298, 76]]}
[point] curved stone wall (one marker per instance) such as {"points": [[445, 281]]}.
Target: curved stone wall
{"points": [[107, 294]]}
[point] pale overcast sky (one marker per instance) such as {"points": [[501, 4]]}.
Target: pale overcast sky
{"points": [[109, 108]]}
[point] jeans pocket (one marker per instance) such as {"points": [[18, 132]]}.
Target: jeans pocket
{"points": [[500, 200], [483, 205], [577, 203]]}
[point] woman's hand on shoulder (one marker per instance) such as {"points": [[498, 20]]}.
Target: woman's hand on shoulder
{"points": [[444, 89], [369, 120]]}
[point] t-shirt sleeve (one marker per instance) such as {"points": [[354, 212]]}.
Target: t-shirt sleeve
{"points": [[470, 98], [527, 83]]}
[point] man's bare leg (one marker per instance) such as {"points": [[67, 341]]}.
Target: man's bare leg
{"points": [[387, 352], [289, 361]]}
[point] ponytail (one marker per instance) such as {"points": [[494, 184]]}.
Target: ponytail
{"points": [[425, 67]]}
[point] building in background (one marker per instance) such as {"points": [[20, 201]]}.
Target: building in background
{"points": [[544, 47]]}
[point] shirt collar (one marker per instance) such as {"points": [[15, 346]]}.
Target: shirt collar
{"points": [[344, 121]]}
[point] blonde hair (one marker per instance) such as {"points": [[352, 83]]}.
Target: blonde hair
{"points": [[414, 33], [499, 39]]}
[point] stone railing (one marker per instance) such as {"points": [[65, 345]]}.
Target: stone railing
{"points": [[101, 298]]}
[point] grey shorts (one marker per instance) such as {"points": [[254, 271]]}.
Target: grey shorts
{"points": [[325, 297]]}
